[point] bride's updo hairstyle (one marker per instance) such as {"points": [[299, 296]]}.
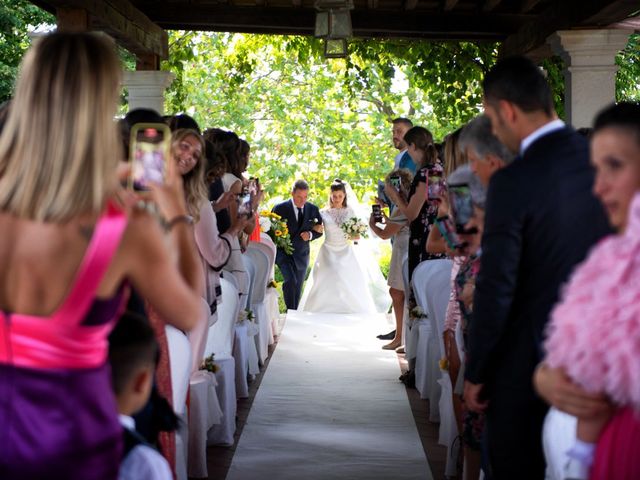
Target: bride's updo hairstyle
{"points": [[423, 140], [338, 186]]}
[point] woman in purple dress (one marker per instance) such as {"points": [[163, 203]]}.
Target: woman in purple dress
{"points": [[67, 253]]}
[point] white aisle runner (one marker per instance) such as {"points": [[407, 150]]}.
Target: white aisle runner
{"points": [[330, 406]]}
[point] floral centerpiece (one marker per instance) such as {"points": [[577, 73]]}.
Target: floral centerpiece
{"points": [[246, 314], [273, 225], [209, 365], [354, 228]]}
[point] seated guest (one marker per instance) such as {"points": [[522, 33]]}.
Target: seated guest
{"points": [[133, 354], [68, 251]]}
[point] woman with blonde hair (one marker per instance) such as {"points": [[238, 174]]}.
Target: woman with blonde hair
{"points": [[67, 253]]}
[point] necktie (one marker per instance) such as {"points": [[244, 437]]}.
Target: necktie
{"points": [[299, 216]]}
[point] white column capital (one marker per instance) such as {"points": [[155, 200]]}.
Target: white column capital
{"points": [[590, 74], [589, 48], [146, 88]]}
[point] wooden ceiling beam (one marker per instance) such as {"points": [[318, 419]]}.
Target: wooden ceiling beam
{"points": [[365, 23], [449, 5], [566, 14], [409, 4], [118, 18], [489, 5], [528, 5]]}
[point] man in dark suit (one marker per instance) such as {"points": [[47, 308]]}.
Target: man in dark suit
{"points": [[541, 219], [301, 218]]}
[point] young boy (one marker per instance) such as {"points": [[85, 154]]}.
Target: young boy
{"points": [[133, 353]]}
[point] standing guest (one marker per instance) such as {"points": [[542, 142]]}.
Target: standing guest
{"points": [[594, 332], [541, 219], [396, 227], [67, 252], [133, 355], [420, 210], [403, 160], [301, 217]]}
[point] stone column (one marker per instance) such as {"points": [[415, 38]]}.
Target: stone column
{"points": [[146, 88], [590, 76]]}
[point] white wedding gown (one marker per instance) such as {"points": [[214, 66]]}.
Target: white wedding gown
{"points": [[345, 278]]}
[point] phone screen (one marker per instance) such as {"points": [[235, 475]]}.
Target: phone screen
{"points": [[149, 153], [436, 186], [395, 183], [377, 213], [249, 192], [448, 232], [461, 205]]}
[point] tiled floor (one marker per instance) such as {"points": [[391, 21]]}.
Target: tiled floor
{"points": [[219, 458]]}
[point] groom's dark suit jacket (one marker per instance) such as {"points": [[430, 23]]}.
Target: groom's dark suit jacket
{"points": [[311, 217], [541, 220]]}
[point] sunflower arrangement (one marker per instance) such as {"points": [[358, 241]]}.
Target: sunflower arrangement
{"points": [[273, 225]]}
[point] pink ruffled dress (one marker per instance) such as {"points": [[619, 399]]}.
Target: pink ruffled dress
{"points": [[594, 335]]}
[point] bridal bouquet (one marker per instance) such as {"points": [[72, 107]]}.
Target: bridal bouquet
{"points": [[354, 228], [273, 225]]}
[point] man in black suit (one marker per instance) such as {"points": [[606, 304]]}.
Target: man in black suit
{"points": [[541, 219], [301, 218]]}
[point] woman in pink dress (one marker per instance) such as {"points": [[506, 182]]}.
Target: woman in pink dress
{"points": [[67, 254], [593, 345]]}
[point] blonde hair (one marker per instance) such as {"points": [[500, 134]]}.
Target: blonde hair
{"points": [[59, 146], [454, 156], [405, 175], [195, 187]]}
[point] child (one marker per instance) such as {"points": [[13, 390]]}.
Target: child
{"points": [[133, 354]]}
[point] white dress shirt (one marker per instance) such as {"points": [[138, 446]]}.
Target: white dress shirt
{"points": [[552, 126], [396, 161], [142, 462]]}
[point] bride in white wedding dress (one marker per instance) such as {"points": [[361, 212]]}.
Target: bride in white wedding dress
{"points": [[345, 278]]}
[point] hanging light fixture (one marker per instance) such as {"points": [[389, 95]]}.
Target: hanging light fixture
{"points": [[333, 24]]}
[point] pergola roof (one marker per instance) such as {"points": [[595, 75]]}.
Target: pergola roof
{"points": [[523, 25]]}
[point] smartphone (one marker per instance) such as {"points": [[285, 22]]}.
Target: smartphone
{"points": [[395, 182], [149, 151], [249, 192], [436, 186], [461, 207], [448, 232], [381, 195], [377, 213]]}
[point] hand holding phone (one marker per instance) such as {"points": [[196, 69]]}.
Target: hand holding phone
{"points": [[377, 213], [149, 152], [461, 206]]}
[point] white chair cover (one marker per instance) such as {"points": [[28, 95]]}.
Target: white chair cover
{"points": [[265, 335], [427, 282], [432, 283], [222, 434], [198, 335], [241, 356], [409, 330], [180, 365], [204, 413], [204, 408], [251, 271], [272, 295], [221, 333]]}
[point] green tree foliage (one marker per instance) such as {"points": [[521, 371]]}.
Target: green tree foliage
{"points": [[308, 117], [17, 18]]}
